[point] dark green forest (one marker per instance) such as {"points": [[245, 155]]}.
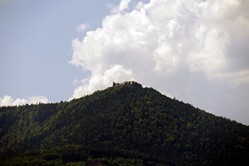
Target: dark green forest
{"points": [[122, 125]]}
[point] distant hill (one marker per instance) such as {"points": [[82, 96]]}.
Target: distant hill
{"points": [[122, 125]]}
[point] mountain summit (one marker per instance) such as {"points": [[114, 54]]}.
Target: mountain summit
{"points": [[125, 124]]}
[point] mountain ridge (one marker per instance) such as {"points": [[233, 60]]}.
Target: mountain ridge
{"points": [[124, 122]]}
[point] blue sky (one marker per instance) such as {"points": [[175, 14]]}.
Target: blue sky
{"points": [[196, 51], [35, 45]]}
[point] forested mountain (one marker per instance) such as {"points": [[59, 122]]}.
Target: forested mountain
{"points": [[122, 125]]}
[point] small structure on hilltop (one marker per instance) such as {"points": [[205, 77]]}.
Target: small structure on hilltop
{"points": [[123, 84], [114, 84]]}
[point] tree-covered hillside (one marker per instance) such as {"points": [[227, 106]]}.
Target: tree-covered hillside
{"points": [[122, 125]]}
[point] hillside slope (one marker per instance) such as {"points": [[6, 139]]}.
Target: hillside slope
{"points": [[125, 123]]}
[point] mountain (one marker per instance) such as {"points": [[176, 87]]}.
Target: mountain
{"points": [[125, 124]]}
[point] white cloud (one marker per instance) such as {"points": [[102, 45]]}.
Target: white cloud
{"points": [[192, 49], [236, 79], [9, 101], [82, 28], [124, 4], [241, 78], [116, 73]]}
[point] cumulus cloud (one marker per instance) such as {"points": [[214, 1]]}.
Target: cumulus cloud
{"points": [[195, 50], [116, 73], [82, 28], [124, 4], [9, 101]]}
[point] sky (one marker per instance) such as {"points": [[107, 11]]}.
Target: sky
{"points": [[194, 50]]}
